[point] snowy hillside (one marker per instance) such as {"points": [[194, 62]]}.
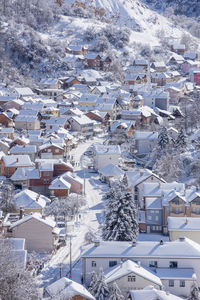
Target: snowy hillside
{"points": [[34, 38]]}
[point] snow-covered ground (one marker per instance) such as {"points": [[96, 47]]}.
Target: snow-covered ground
{"points": [[91, 218]]}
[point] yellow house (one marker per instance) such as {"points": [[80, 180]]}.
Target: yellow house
{"points": [[30, 201], [184, 226]]}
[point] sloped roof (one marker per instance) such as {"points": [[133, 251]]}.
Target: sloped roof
{"points": [[67, 287], [30, 200], [129, 267], [111, 170], [36, 216], [59, 184]]}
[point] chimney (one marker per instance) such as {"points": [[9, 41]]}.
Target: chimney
{"points": [[97, 243], [17, 159], [121, 263], [38, 197], [139, 264], [167, 293], [43, 217], [134, 243], [181, 238], [161, 242], [186, 221], [21, 212]]}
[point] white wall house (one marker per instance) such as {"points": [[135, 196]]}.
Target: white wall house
{"points": [[176, 263], [105, 155], [145, 141]]}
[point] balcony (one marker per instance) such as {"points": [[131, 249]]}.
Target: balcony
{"points": [[177, 214]]}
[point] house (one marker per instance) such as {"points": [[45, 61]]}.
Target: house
{"points": [[18, 251], [141, 63], [59, 166], [159, 66], [56, 123], [60, 187], [196, 76], [24, 92], [184, 226], [64, 288], [151, 293], [145, 141], [176, 60], [51, 150], [175, 263], [29, 122], [10, 163], [105, 155], [174, 94], [49, 83], [96, 115], [81, 124], [30, 201], [92, 60], [189, 65], [7, 132], [6, 120], [105, 63], [75, 181], [190, 55], [178, 48], [109, 172], [28, 228], [14, 104], [30, 150], [129, 275], [75, 49], [19, 140]]}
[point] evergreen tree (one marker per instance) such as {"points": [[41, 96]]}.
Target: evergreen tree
{"points": [[163, 139], [102, 292], [120, 220], [93, 284], [194, 293], [115, 293], [181, 139]]}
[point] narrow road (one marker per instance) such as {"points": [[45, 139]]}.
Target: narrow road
{"points": [[90, 221]]}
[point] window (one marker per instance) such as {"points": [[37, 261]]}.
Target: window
{"points": [[46, 173], [149, 217], [56, 150], [156, 218], [48, 150], [94, 264], [46, 180], [182, 283], [171, 282], [136, 189], [136, 197], [131, 278], [152, 176], [173, 264], [112, 263], [153, 264]]}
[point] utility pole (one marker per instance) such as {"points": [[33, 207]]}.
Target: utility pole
{"points": [[70, 257]]}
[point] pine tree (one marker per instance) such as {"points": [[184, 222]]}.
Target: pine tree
{"points": [[194, 293], [163, 139], [181, 139], [115, 293], [102, 292], [120, 220], [93, 283]]}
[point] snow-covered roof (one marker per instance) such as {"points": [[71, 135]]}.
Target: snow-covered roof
{"points": [[59, 184], [82, 120], [145, 135], [17, 161], [24, 91], [47, 145], [175, 273], [23, 149], [25, 174], [73, 177], [111, 170], [129, 267], [100, 149], [30, 200], [153, 203], [36, 216], [181, 248], [139, 175], [151, 293], [68, 288], [183, 224]]}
